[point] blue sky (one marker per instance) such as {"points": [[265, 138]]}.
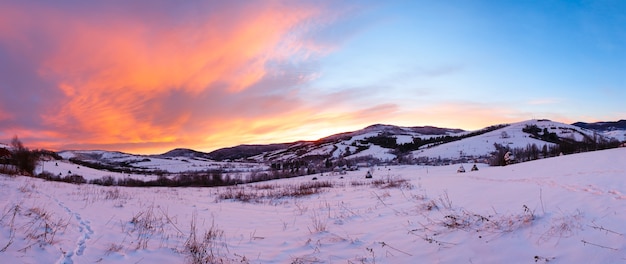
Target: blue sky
{"points": [[563, 60]]}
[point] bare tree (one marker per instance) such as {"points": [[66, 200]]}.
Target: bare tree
{"points": [[23, 159]]}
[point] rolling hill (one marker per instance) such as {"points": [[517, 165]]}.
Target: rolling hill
{"points": [[394, 144]]}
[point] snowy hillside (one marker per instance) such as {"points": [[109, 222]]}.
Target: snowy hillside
{"points": [[511, 136], [390, 144], [350, 144], [97, 164], [617, 134], [383, 143], [568, 209]]}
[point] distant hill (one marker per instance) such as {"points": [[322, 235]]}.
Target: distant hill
{"points": [[603, 126], [245, 151], [183, 152], [397, 144]]}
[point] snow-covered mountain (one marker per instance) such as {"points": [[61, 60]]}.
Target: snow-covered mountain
{"points": [[603, 126], [615, 130], [388, 143], [391, 143], [511, 136], [375, 141]]}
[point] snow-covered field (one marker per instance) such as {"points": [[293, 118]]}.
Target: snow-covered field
{"points": [[569, 209], [172, 165]]}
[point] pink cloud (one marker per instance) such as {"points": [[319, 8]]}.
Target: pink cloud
{"points": [[115, 70]]}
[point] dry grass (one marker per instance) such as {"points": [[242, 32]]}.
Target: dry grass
{"points": [[209, 247], [269, 192], [37, 225], [385, 183], [145, 225]]}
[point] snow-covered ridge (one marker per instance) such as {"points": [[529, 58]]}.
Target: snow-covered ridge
{"points": [[370, 143], [462, 145]]}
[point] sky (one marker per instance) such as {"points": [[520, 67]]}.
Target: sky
{"points": [[148, 76]]}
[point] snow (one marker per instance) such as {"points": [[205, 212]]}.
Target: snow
{"points": [[171, 165], [374, 151], [402, 139], [568, 209], [512, 136], [323, 150], [616, 134]]}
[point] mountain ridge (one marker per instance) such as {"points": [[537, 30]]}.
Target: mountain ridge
{"points": [[603, 125], [389, 142]]}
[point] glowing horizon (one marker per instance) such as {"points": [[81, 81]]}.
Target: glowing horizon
{"points": [[146, 77]]}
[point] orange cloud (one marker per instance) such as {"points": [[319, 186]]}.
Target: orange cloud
{"points": [[116, 71]]}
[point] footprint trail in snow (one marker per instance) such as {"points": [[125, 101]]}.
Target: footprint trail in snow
{"points": [[85, 230]]}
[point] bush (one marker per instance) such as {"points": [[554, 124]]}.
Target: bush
{"points": [[23, 159]]}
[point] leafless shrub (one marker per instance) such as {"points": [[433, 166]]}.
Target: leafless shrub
{"points": [[470, 221], [206, 248], [43, 227], [113, 194], [461, 219], [37, 224], [301, 209], [145, 224], [11, 212], [563, 226], [319, 224], [444, 201]]}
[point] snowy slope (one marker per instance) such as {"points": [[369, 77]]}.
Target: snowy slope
{"points": [[140, 165], [568, 209], [334, 146], [511, 136], [616, 134], [473, 145], [375, 152]]}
